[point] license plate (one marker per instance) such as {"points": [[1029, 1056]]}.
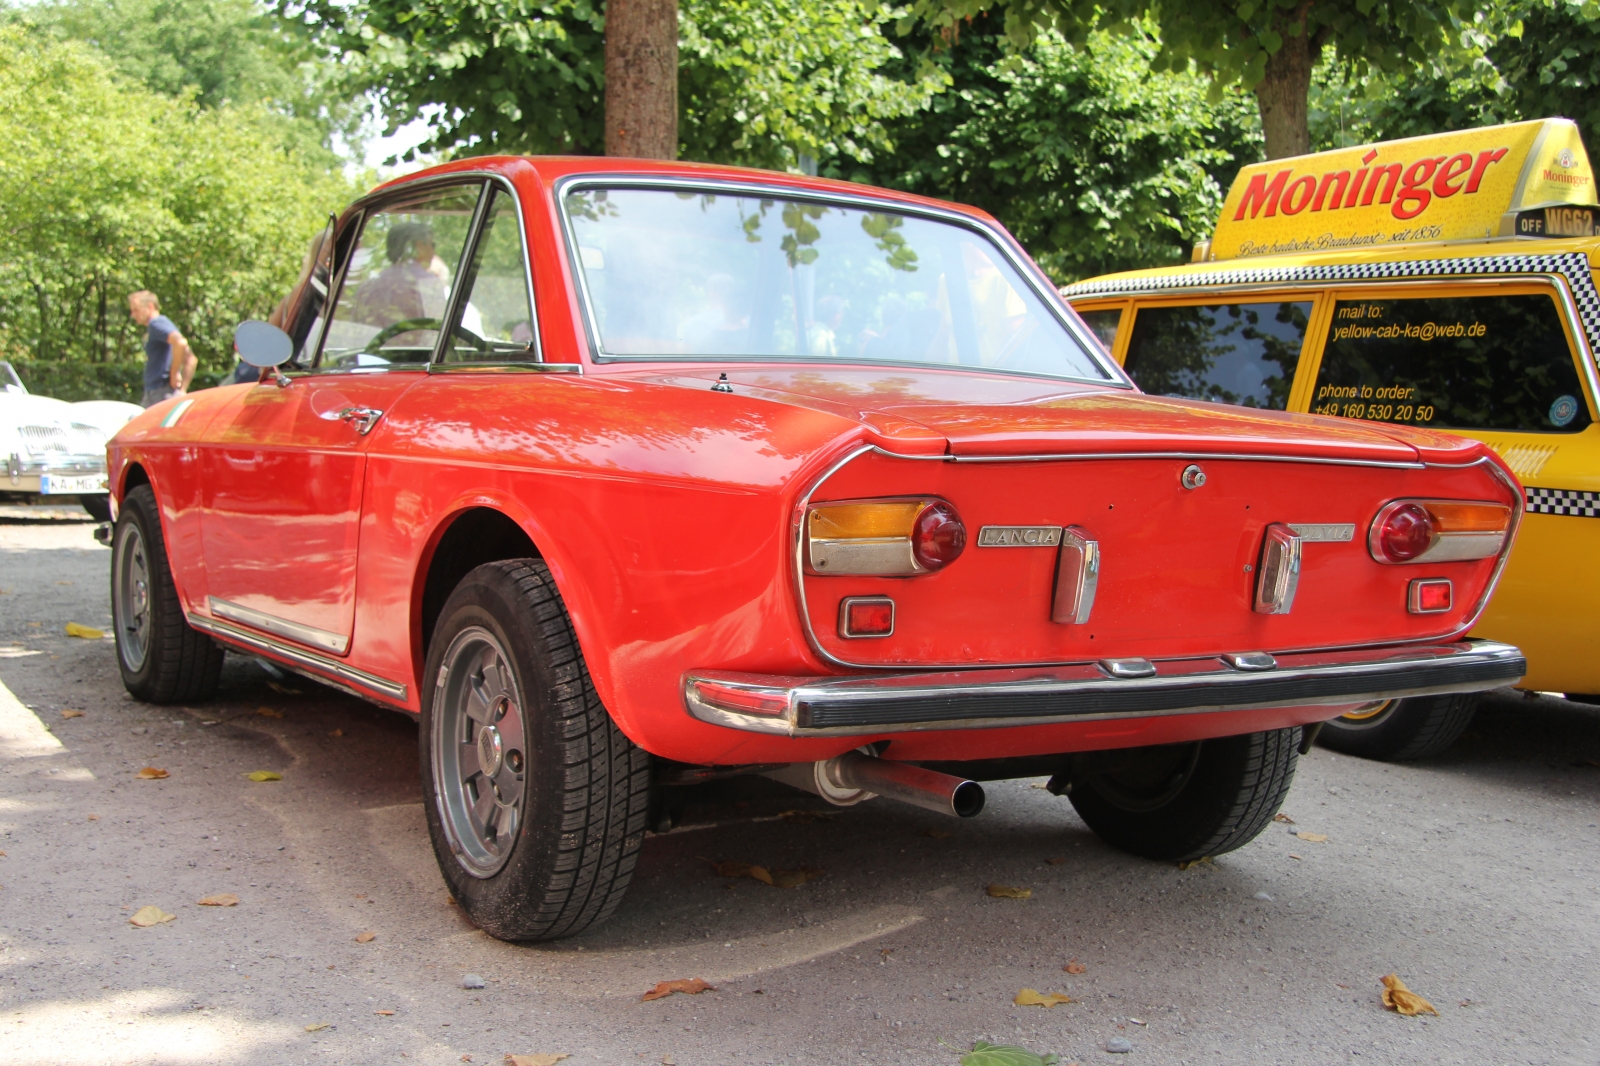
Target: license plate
{"points": [[71, 484]]}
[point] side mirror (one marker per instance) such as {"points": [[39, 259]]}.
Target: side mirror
{"points": [[262, 344]]}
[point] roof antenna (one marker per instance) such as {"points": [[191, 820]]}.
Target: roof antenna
{"points": [[722, 384]]}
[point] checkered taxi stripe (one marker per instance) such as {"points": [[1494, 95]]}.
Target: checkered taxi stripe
{"points": [[1572, 267], [1563, 501]]}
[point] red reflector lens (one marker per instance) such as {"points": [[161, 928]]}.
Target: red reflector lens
{"points": [[1406, 532], [866, 616], [750, 701], [1429, 596], [938, 537]]}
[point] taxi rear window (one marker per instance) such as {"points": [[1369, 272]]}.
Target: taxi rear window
{"points": [[1243, 353], [1459, 362]]}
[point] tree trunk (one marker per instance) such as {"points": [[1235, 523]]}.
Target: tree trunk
{"points": [[1282, 94], [642, 78]]}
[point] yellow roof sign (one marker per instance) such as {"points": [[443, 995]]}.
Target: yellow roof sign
{"points": [[1529, 179]]}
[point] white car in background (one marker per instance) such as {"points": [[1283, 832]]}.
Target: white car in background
{"points": [[54, 450]]}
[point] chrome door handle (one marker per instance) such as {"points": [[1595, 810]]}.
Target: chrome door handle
{"points": [[364, 418]]}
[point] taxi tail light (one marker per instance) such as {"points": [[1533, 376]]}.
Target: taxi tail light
{"points": [[883, 537], [1438, 531]]}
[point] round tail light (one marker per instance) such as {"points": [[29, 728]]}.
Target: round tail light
{"points": [[1403, 533], [938, 537]]}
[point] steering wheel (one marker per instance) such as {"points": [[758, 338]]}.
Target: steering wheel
{"points": [[405, 325]]}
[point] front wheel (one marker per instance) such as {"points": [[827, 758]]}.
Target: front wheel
{"points": [[536, 802], [1179, 802], [1412, 728], [163, 659]]}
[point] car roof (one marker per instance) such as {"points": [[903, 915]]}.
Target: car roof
{"points": [[548, 170]]}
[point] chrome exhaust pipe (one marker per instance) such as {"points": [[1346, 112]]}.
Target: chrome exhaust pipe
{"points": [[852, 777]]}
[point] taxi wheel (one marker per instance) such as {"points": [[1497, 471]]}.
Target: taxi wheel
{"points": [[536, 802], [1185, 801], [162, 659], [1412, 728]]}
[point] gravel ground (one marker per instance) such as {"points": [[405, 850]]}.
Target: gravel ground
{"points": [[1472, 875]]}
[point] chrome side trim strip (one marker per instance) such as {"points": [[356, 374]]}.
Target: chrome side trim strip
{"points": [[299, 657], [988, 699], [337, 643], [1060, 457]]}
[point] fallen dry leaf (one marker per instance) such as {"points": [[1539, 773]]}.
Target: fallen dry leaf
{"points": [[1075, 967], [690, 987], [776, 878], [221, 899], [1281, 817], [94, 817], [1040, 784], [285, 689], [1007, 892], [806, 817], [151, 773], [317, 1027], [86, 632], [1029, 998], [1055, 862], [938, 834], [1315, 838], [145, 917], [366, 937], [72, 714], [535, 1060], [1397, 997], [385, 1013], [336, 733], [1292, 855], [1204, 860], [264, 775], [268, 712]]}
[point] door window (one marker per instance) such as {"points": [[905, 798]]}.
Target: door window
{"points": [[1497, 362], [495, 323], [1103, 324], [1243, 353], [399, 278]]}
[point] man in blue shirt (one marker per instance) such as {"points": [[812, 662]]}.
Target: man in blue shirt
{"points": [[169, 363]]}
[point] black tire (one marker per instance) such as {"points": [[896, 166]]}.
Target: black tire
{"points": [[162, 659], [556, 857], [1185, 801], [98, 506], [1411, 728]]}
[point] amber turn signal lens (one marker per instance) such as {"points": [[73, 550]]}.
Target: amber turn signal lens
{"points": [[1438, 531], [866, 616], [883, 537]]}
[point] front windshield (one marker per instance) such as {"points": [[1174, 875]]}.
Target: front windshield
{"points": [[718, 275]]}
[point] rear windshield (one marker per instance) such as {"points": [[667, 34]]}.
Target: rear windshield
{"points": [[1242, 353], [697, 275], [1463, 362]]}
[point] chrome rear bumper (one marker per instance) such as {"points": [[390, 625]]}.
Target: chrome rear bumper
{"points": [[986, 699]]}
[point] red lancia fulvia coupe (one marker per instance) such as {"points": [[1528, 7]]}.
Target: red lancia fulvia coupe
{"points": [[624, 475]]}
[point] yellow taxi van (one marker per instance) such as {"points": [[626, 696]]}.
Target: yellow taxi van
{"points": [[1444, 282]]}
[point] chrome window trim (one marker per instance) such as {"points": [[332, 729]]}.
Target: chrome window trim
{"points": [[1032, 276], [802, 506], [473, 238]]}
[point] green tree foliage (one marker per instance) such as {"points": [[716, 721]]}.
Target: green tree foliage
{"points": [[1270, 47], [107, 187], [761, 82], [1095, 161], [214, 51]]}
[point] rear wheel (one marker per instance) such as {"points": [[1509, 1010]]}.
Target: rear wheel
{"points": [[1411, 728], [1185, 801], [536, 801], [162, 659]]}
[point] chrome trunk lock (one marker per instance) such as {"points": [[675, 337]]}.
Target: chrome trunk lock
{"points": [[1192, 477]]}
